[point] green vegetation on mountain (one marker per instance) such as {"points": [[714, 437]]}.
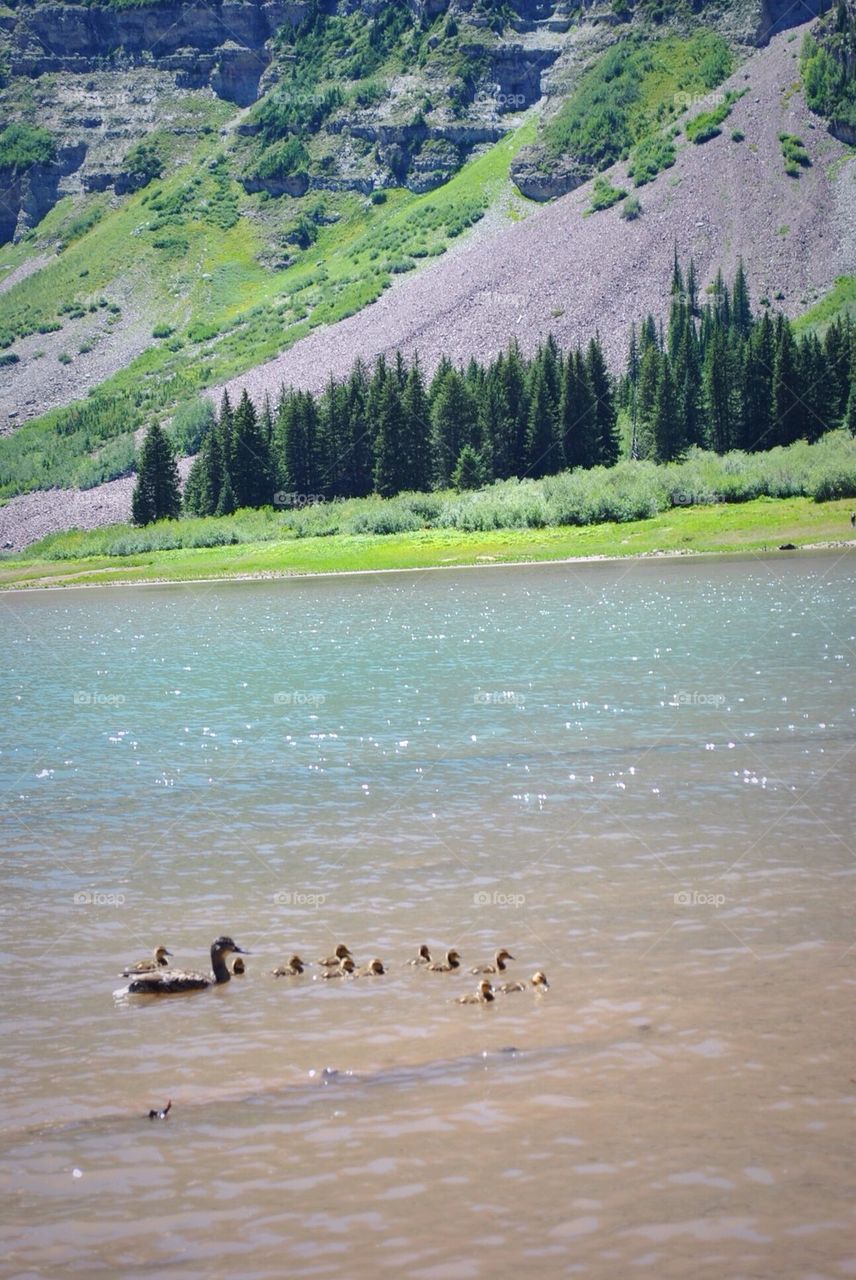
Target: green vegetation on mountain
{"points": [[23, 145], [827, 64], [632, 92], [250, 313]]}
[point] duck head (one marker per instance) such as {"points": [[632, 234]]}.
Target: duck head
{"points": [[224, 946], [161, 954], [539, 980]]}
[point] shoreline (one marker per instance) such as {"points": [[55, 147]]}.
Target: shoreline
{"points": [[309, 575]]}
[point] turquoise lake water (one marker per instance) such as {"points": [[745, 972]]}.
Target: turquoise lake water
{"points": [[638, 777]]}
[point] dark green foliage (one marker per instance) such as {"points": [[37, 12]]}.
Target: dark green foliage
{"points": [[23, 145], [157, 495], [649, 158], [705, 126], [604, 195], [280, 160], [470, 471], [794, 154], [145, 161], [827, 66]]}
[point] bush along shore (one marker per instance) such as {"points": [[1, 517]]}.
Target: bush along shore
{"points": [[632, 490]]}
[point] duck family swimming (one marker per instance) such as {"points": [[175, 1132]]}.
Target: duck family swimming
{"points": [[538, 982], [498, 965], [483, 994], [172, 981], [158, 960], [292, 969], [452, 962]]}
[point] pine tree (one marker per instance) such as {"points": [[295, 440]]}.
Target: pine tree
{"points": [[649, 376], [469, 470], [360, 437], [157, 493], [417, 429], [668, 435], [719, 393], [692, 288], [544, 454], [788, 414], [202, 491], [250, 472], [741, 310], [453, 424], [226, 503], [605, 412], [390, 475], [517, 399], [756, 388], [578, 428]]}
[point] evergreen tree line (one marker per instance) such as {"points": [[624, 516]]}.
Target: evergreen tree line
{"points": [[722, 378], [719, 377]]}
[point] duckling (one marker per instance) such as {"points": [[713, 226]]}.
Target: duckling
{"points": [[424, 956], [452, 961], [171, 981], [238, 967], [482, 995], [160, 1113], [537, 982], [341, 952], [157, 961], [346, 969], [293, 969], [498, 965], [372, 970]]}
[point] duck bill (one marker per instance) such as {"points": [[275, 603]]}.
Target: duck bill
{"points": [[243, 952]]}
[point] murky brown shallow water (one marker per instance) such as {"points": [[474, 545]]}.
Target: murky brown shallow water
{"points": [[638, 778]]}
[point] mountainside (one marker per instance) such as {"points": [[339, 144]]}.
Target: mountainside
{"points": [[189, 192]]}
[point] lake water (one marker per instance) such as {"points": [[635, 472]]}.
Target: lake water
{"points": [[637, 777]]}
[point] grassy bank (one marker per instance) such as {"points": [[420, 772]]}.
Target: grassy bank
{"points": [[757, 526]]}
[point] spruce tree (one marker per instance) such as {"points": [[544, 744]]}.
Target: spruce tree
{"points": [[469, 472], [250, 471], [391, 472], [719, 393], [788, 414], [605, 412], [417, 430], [544, 453], [453, 424], [667, 428], [360, 437], [157, 494], [741, 311], [578, 428], [649, 376]]}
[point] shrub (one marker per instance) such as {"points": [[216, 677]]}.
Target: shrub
{"points": [[604, 195], [650, 158], [794, 153], [23, 145], [631, 209]]}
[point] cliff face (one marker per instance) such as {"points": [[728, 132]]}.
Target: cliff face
{"points": [[221, 44]]}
